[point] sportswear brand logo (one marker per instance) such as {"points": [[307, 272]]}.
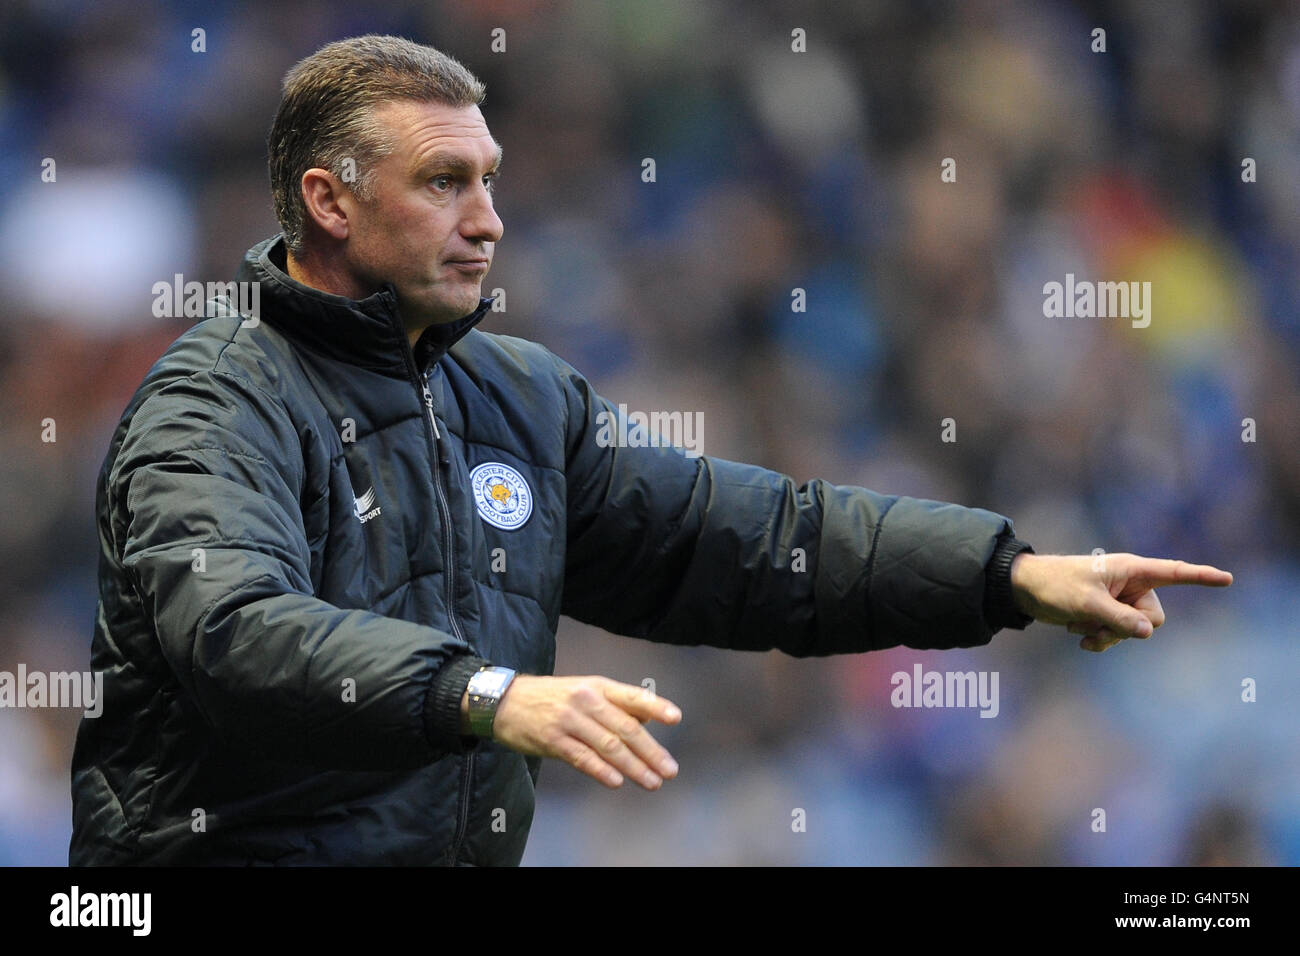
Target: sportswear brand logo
{"points": [[365, 506]]}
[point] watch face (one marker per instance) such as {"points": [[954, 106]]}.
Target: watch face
{"points": [[489, 683]]}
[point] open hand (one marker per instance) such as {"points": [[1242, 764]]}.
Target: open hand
{"points": [[592, 723]]}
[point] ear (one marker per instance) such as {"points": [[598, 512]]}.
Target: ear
{"points": [[329, 202]]}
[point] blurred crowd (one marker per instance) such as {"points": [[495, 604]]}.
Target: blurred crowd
{"points": [[775, 171]]}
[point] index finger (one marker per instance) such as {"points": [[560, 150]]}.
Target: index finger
{"points": [[1159, 572], [643, 703]]}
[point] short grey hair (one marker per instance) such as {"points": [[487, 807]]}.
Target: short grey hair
{"points": [[327, 114]]}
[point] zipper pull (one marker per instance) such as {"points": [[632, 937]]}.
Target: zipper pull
{"points": [[428, 403], [444, 456]]}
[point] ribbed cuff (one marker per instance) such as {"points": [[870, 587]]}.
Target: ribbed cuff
{"points": [[999, 600], [442, 705]]}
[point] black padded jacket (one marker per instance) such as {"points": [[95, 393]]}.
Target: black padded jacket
{"points": [[312, 534]]}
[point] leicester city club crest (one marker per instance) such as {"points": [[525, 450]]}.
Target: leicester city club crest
{"points": [[501, 495]]}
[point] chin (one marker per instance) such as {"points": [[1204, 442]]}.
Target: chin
{"points": [[451, 311]]}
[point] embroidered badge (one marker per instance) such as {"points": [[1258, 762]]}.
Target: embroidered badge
{"points": [[501, 495]]}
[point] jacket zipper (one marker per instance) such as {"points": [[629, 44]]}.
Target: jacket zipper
{"points": [[467, 766]]}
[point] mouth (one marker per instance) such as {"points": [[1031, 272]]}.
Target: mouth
{"points": [[469, 265]]}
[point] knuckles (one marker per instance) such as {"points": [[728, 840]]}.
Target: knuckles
{"points": [[580, 759], [585, 698]]}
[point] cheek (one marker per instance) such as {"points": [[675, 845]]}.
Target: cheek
{"points": [[405, 237], [410, 212], [413, 230]]}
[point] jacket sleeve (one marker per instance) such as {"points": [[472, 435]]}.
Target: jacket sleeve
{"points": [[208, 483], [703, 550]]}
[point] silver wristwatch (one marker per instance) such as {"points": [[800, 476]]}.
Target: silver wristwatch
{"points": [[485, 689]]}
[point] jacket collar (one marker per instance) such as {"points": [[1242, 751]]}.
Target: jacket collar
{"points": [[364, 332]]}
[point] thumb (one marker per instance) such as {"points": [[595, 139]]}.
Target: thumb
{"points": [[1124, 619]]}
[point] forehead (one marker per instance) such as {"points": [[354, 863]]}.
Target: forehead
{"points": [[423, 130]]}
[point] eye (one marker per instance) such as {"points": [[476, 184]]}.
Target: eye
{"points": [[490, 181], [437, 179]]}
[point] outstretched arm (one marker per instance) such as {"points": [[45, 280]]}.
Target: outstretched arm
{"points": [[728, 554]]}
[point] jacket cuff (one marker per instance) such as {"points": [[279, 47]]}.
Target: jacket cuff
{"points": [[442, 704], [999, 601]]}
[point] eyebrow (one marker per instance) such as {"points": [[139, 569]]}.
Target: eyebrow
{"points": [[453, 162]]}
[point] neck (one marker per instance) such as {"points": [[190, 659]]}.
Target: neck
{"points": [[326, 276], [330, 277]]}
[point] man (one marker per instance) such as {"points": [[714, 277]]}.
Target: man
{"points": [[337, 536]]}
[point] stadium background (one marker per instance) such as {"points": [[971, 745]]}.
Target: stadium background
{"points": [[775, 170]]}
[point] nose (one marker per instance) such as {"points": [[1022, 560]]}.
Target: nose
{"points": [[481, 222]]}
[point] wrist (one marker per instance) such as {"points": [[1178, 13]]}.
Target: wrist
{"points": [[443, 703], [1021, 567], [1005, 603]]}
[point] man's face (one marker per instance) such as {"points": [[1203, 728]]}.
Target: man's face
{"points": [[431, 211]]}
